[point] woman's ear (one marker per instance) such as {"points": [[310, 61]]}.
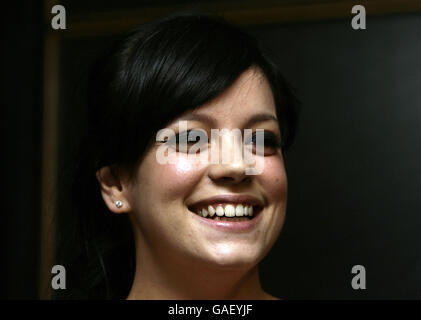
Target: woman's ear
{"points": [[114, 189]]}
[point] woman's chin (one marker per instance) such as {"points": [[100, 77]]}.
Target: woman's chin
{"points": [[232, 260]]}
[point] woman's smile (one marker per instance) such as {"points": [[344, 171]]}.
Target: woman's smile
{"points": [[236, 212]]}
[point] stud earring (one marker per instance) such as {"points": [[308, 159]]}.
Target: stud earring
{"points": [[118, 204]]}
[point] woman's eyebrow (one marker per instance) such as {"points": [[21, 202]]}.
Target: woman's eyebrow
{"points": [[260, 117], [200, 117], [256, 118]]}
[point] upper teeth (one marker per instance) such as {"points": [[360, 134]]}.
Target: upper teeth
{"points": [[228, 210]]}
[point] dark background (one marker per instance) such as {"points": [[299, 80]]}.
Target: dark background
{"points": [[353, 172]]}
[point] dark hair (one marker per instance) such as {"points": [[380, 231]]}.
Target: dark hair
{"points": [[151, 76]]}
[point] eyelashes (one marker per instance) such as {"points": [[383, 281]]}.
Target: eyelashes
{"points": [[269, 139], [189, 136], [271, 143], [199, 138]]}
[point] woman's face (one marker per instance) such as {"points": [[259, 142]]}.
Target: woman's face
{"points": [[165, 199]]}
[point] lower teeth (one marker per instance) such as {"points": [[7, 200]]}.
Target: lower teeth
{"points": [[236, 219]]}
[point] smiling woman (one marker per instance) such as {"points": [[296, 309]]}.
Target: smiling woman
{"points": [[183, 229]]}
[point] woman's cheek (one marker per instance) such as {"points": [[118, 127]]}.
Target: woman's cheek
{"points": [[161, 188], [179, 177], [274, 178]]}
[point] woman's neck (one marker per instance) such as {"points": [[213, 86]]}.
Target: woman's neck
{"points": [[175, 278]]}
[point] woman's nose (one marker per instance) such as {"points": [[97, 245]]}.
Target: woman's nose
{"points": [[227, 160]]}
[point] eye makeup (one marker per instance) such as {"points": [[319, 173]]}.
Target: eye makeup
{"points": [[271, 142], [199, 137], [188, 138]]}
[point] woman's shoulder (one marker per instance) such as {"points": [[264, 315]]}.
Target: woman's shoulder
{"points": [[268, 296]]}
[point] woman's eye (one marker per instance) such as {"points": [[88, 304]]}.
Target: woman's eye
{"points": [[195, 140], [270, 142], [183, 141]]}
